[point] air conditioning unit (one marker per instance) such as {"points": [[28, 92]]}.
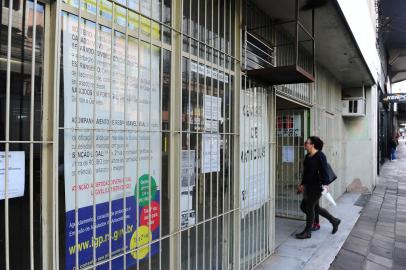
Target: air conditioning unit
{"points": [[353, 107]]}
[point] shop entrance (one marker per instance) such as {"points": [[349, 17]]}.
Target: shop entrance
{"points": [[291, 132]]}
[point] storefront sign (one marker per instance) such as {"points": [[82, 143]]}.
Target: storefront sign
{"points": [[395, 98], [16, 174], [112, 177], [254, 157]]}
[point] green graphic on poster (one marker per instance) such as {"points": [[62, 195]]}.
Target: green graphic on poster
{"points": [[146, 184]]}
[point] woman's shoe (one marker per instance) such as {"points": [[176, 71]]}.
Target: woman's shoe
{"points": [[304, 235], [316, 227], [335, 224]]}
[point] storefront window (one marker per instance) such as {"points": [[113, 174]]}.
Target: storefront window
{"points": [[22, 136], [207, 136]]}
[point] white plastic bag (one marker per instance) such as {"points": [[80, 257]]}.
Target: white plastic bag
{"points": [[328, 196]]}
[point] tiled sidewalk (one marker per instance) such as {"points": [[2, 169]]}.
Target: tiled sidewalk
{"points": [[319, 251], [378, 240]]}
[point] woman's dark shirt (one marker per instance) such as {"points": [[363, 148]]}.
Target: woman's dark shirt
{"points": [[314, 170]]}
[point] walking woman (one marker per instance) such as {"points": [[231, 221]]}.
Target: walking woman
{"points": [[314, 175]]}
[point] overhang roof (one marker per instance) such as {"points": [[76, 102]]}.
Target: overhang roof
{"points": [[336, 48], [393, 27]]}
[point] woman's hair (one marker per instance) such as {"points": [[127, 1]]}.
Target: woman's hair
{"points": [[318, 143]]}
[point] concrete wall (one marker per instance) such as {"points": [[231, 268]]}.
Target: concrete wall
{"points": [[326, 122], [360, 144], [350, 143]]}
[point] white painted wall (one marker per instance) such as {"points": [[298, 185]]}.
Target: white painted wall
{"points": [[326, 122], [360, 144], [350, 143]]}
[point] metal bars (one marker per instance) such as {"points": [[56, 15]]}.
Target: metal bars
{"points": [[7, 137], [207, 91], [255, 173], [21, 91], [120, 52], [290, 134]]}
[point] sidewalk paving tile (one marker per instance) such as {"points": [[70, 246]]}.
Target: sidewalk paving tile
{"points": [[348, 260], [380, 260], [356, 245], [369, 265]]}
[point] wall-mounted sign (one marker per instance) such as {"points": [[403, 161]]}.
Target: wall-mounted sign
{"points": [[395, 98]]}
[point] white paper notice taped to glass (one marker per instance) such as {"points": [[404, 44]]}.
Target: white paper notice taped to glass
{"points": [[209, 72], [16, 174], [211, 153], [288, 154], [212, 113]]}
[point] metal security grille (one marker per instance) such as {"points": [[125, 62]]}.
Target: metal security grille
{"points": [[290, 136], [141, 189], [22, 141], [121, 169], [207, 207]]}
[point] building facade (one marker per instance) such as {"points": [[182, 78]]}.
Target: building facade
{"points": [[155, 134]]}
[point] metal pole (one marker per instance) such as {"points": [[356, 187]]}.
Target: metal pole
{"points": [[31, 173], [296, 32], [7, 137]]}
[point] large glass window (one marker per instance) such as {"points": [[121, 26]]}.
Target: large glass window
{"points": [[21, 98], [208, 91]]}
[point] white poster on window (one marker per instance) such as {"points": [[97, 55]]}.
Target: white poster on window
{"points": [[254, 155], [209, 72], [188, 169], [211, 153], [188, 182], [103, 165], [212, 113], [288, 154], [16, 174]]}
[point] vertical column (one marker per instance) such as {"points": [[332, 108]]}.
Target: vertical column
{"points": [[236, 216], [175, 134], [7, 138]]}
